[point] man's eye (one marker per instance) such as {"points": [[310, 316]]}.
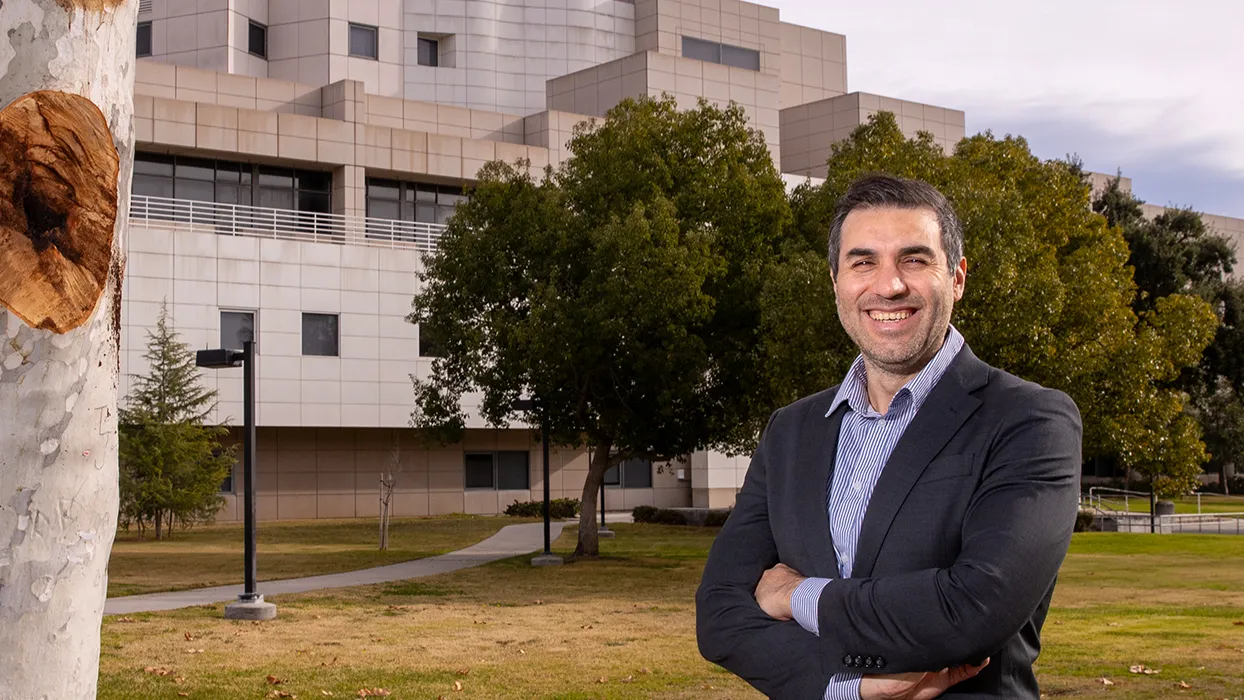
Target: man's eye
{"points": [[916, 261], [861, 263]]}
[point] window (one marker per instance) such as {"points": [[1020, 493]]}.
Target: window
{"points": [[429, 344], [724, 54], [411, 201], [364, 41], [429, 52], [257, 39], [319, 335], [143, 44], [227, 182], [506, 470], [630, 474], [226, 486], [236, 327]]}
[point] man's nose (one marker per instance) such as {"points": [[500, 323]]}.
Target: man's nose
{"points": [[889, 282]]}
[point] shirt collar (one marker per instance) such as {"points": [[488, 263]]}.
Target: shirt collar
{"points": [[854, 387]]}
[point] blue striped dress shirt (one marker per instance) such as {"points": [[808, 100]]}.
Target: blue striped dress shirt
{"points": [[865, 442]]}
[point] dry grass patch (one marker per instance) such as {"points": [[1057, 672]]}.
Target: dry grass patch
{"points": [[623, 627], [212, 555]]}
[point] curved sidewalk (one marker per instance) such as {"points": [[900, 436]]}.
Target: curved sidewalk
{"points": [[510, 541]]}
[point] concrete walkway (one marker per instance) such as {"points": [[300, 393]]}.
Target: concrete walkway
{"points": [[511, 541]]}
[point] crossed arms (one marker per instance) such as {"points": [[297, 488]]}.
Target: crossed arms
{"points": [[1014, 535]]}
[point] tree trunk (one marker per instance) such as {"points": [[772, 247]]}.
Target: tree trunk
{"points": [[589, 537], [65, 168]]}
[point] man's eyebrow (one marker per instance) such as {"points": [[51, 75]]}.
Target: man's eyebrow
{"points": [[917, 250], [860, 252]]}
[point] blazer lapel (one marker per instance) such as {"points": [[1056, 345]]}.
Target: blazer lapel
{"points": [[945, 410], [818, 447]]}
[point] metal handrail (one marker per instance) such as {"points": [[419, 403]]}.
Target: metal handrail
{"points": [[241, 220]]}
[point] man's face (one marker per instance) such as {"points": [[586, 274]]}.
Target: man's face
{"points": [[894, 288]]}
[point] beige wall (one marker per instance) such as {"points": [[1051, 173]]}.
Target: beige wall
{"points": [[309, 43], [661, 24], [335, 473], [808, 131], [814, 65], [595, 90]]}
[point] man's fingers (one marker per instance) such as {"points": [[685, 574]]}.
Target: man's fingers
{"points": [[958, 674]]}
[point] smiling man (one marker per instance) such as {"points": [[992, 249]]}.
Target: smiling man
{"points": [[897, 536]]}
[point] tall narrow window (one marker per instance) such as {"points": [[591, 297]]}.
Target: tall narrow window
{"points": [[319, 335], [236, 327], [257, 40], [364, 41], [143, 44], [429, 52]]}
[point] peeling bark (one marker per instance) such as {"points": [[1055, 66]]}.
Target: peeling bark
{"points": [[66, 158]]}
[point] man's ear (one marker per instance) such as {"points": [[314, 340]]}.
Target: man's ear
{"points": [[961, 277]]}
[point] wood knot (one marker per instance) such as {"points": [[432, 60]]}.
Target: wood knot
{"points": [[58, 208]]}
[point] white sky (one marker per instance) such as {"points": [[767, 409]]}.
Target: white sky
{"points": [[1155, 87]]}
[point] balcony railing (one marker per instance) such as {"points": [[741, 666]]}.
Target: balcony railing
{"points": [[286, 224]]}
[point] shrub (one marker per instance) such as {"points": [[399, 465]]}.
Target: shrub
{"points": [[669, 516], [1084, 521], [558, 508]]}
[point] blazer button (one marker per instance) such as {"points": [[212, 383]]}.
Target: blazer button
{"points": [[846, 660], [859, 661], [879, 662], [868, 662]]}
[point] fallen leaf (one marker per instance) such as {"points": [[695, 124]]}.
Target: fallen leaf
{"points": [[586, 627], [539, 602], [1112, 624], [458, 686], [1105, 681], [521, 651], [281, 694], [179, 680], [1058, 622], [602, 679], [328, 693], [194, 651], [629, 679], [645, 670], [373, 693], [126, 619], [183, 695], [1141, 668], [1183, 684], [462, 671], [273, 680], [377, 639], [319, 617], [1238, 623], [158, 671], [190, 637]]}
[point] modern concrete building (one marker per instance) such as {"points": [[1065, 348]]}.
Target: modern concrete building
{"points": [[297, 157]]}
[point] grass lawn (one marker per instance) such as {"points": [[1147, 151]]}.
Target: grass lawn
{"points": [[212, 555], [1185, 505], [623, 627]]}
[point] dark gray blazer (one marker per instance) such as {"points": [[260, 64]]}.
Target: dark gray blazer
{"points": [[956, 559]]}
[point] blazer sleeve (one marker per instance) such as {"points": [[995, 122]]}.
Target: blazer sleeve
{"points": [[1015, 535], [778, 658]]}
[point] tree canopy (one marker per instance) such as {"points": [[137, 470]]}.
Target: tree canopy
{"points": [[1049, 295], [620, 290], [1176, 253], [171, 464]]}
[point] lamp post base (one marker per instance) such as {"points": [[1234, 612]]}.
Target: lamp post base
{"points": [[250, 609], [605, 533], [546, 560]]}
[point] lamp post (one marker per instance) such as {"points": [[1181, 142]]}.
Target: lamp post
{"points": [[547, 558], [604, 530], [250, 604]]}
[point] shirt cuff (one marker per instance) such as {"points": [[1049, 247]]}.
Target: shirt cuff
{"points": [[843, 686], [804, 601]]}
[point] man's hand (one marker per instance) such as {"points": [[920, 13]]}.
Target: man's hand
{"points": [[775, 589], [915, 686]]}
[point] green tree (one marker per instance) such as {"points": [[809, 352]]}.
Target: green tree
{"points": [[1049, 294], [172, 464], [1176, 253], [621, 290]]}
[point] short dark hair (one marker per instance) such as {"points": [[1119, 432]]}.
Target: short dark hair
{"points": [[880, 190]]}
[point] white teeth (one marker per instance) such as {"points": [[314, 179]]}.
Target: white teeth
{"points": [[888, 316]]}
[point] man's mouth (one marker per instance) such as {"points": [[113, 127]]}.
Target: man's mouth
{"points": [[889, 316]]}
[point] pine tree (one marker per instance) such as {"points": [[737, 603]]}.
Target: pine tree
{"points": [[172, 464]]}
